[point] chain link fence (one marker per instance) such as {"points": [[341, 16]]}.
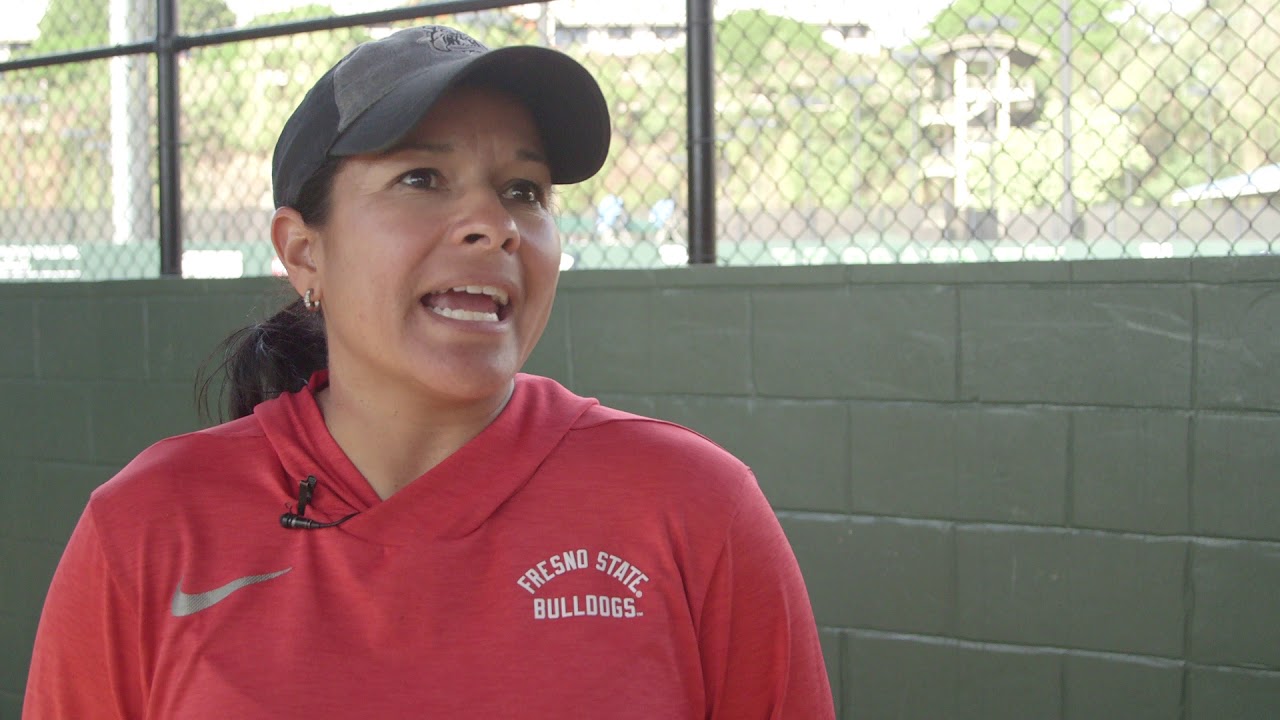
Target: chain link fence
{"points": [[982, 130]]}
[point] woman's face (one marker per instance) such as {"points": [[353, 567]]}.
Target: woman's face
{"points": [[438, 264]]}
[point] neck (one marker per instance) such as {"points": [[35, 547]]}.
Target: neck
{"points": [[393, 437]]}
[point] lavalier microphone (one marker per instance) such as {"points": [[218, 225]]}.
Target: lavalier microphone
{"points": [[295, 520]]}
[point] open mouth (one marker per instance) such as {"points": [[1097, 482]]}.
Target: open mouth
{"points": [[473, 303]]}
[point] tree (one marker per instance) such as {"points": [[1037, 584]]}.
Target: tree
{"points": [[753, 44], [81, 24], [69, 25], [1214, 107], [793, 114], [197, 16], [647, 108], [237, 96], [1037, 21]]}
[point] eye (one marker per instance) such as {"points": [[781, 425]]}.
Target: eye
{"points": [[526, 191], [422, 178]]}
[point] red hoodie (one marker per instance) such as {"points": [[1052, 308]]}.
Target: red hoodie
{"points": [[570, 561]]}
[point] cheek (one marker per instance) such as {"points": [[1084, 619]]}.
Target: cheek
{"points": [[541, 251], [541, 236], [364, 277], [379, 243], [544, 266]]}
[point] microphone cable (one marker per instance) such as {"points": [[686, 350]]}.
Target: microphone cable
{"points": [[295, 521]]}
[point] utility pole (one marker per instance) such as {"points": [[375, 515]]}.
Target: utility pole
{"points": [[1064, 79], [131, 205]]}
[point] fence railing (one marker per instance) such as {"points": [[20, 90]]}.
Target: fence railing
{"points": [[138, 144]]}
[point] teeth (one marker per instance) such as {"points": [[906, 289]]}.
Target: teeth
{"points": [[466, 314], [496, 293]]}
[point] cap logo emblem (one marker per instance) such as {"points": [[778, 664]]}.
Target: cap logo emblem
{"points": [[449, 40]]}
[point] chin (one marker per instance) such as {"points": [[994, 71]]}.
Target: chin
{"points": [[475, 381]]}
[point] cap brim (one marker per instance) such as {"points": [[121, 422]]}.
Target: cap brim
{"points": [[565, 100]]}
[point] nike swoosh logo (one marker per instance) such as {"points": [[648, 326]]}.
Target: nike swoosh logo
{"points": [[186, 604]]}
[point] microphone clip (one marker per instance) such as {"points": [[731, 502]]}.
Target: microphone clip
{"points": [[306, 489], [296, 521]]}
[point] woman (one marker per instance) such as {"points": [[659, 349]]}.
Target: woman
{"points": [[459, 540]]}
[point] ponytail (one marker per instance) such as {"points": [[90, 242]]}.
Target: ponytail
{"points": [[279, 354], [259, 362]]}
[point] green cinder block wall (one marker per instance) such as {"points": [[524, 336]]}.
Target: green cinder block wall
{"points": [[1016, 490]]}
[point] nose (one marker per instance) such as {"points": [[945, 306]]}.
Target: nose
{"points": [[488, 223]]}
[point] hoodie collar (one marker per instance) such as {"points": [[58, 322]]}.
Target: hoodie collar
{"points": [[451, 500]]}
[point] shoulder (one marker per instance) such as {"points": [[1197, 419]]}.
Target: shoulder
{"points": [[618, 434], [649, 434], [194, 450], [180, 464], [660, 455]]}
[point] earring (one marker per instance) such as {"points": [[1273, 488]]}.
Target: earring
{"points": [[309, 304]]}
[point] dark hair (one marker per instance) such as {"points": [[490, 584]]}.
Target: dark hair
{"points": [[279, 354]]}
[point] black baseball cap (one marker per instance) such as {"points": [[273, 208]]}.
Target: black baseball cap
{"points": [[380, 91]]}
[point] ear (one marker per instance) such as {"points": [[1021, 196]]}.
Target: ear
{"points": [[297, 245]]}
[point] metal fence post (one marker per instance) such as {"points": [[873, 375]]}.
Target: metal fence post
{"points": [[702, 133], [167, 107]]}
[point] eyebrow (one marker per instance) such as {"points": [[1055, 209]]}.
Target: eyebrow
{"points": [[522, 153]]}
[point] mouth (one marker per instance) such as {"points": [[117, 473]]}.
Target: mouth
{"points": [[470, 303]]}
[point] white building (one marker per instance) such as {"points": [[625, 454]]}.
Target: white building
{"points": [[20, 27]]}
